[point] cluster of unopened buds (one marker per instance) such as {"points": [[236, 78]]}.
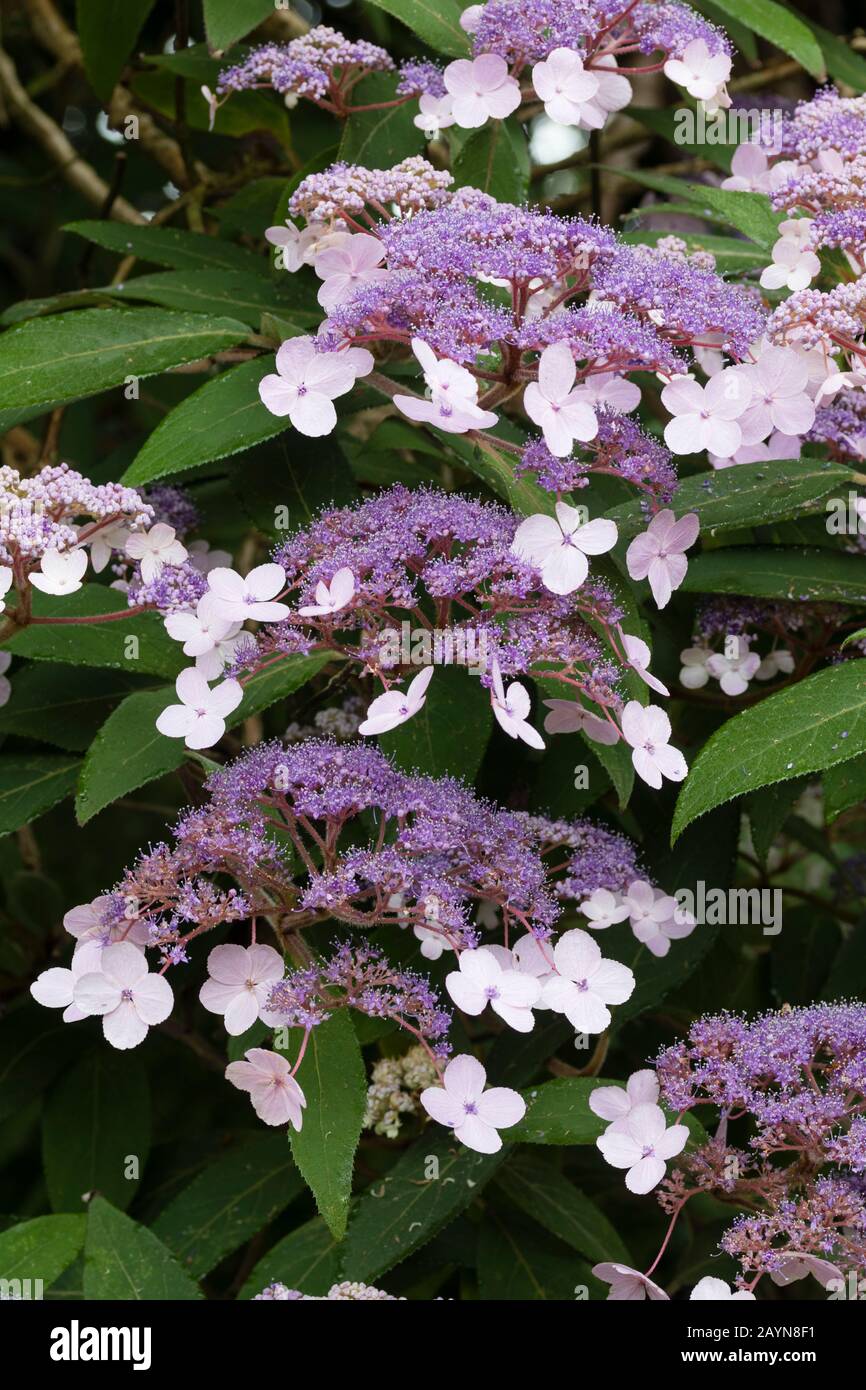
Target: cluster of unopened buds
{"points": [[442, 864], [789, 1149], [551, 53]]}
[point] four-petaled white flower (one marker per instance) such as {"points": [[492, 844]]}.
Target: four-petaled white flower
{"points": [[558, 546], [794, 264], [658, 553], [396, 706], [603, 909], [735, 671], [60, 572], [200, 718], [275, 1094], [333, 597], [778, 662], [703, 74], [613, 93], [475, 1115], [571, 717], [656, 917], [716, 1290], [510, 709], [55, 988], [628, 1285], [481, 980], [694, 673], [297, 245], [306, 384], [585, 983], [237, 598], [561, 82], [706, 417], [241, 979], [104, 542], [780, 399], [123, 992], [614, 1104], [154, 549], [452, 405], [202, 630], [481, 88], [648, 730], [555, 405], [642, 1144], [434, 114], [358, 261]]}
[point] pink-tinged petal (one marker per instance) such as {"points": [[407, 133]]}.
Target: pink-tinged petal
{"points": [[476, 1134], [440, 1106], [53, 988], [556, 371], [241, 1013], [418, 687], [672, 1142], [587, 1012], [267, 964], [215, 997], [94, 994], [680, 434], [643, 1087], [576, 954], [646, 769], [153, 999], [123, 1027], [489, 70], [313, 415], [465, 1078], [264, 582], [536, 538], [277, 395], [613, 983], [580, 418], [640, 555], [481, 967], [597, 537], [557, 993], [659, 576], [671, 764], [504, 100], [684, 532], [227, 584], [646, 1123], [518, 701], [331, 374], [192, 688], [522, 1020], [646, 1174], [243, 1075], [618, 1149], [501, 1107], [229, 964], [609, 1102], [293, 357], [793, 415], [225, 697], [518, 989], [124, 964], [466, 993], [683, 396]]}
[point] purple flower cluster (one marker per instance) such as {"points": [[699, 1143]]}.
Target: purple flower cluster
{"points": [[46, 511], [348, 190], [321, 64], [529, 30]]}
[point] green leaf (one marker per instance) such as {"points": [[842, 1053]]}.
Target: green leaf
{"points": [[750, 213], [107, 643], [752, 494], [449, 735], [557, 1112], [68, 356], [540, 1190], [42, 1248], [803, 954], [307, 1259], [334, 1081], [496, 160], [123, 1260], [778, 571], [781, 26], [844, 787], [35, 1046], [437, 22], [221, 418], [380, 139], [239, 1193], [243, 295], [227, 20], [108, 30], [518, 1262], [170, 246], [31, 783], [847, 977], [498, 474], [427, 1187], [843, 62], [733, 255], [768, 809], [807, 727], [57, 705], [129, 750], [96, 1118]]}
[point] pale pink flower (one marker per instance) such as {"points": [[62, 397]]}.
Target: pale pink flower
{"points": [[716, 1290], [471, 18], [204, 559], [333, 597], [275, 1094], [482, 980], [562, 84], [750, 170], [104, 542], [648, 730], [344, 268], [797, 1264], [628, 1285], [481, 88], [297, 245], [454, 417], [656, 917], [643, 1144], [124, 993], [306, 385], [237, 598], [705, 417], [535, 958], [510, 709], [60, 572], [396, 706], [658, 553], [55, 988], [434, 114], [154, 549], [614, 1104], [571, 717], [734, 672], [694, 673], [586, 983], [560, 411], [614, 92], [558, 546], [638, 654], [200, 718], [701, 73], [199, 631], [475, 1115], [778, 662], [241, 979], [794, 264], [780, 400], [608, 389], [603, 909]]}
